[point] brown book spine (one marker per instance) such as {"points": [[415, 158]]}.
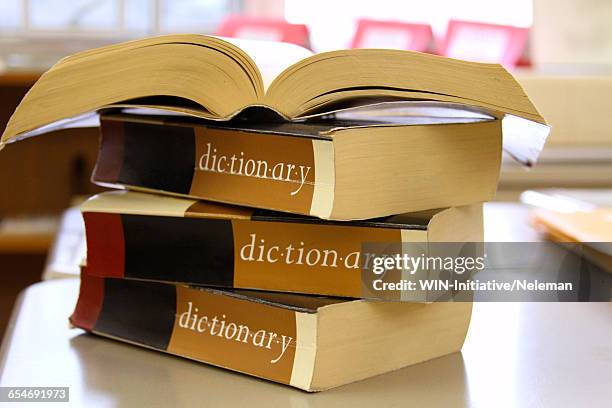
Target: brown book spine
{"points": [[262, 170], [320, 258], [219, 328]]}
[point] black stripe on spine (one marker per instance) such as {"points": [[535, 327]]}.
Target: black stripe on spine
{"points": [[176, 249], [142, 312], [158, 157]]}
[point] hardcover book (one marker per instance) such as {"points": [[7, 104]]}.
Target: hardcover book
{"points": [[332, 170], [152, 237], [307, 342]]}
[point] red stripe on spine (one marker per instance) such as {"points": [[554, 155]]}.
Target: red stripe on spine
{"points": [[105, 245], [90, 301], [111, 155]]}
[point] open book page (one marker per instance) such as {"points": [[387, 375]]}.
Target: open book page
{"points": [[337, 76], [271, 57], [400, 111]]}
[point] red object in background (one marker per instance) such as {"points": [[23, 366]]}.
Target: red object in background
{"points": [[264, 29], [392, 34], [485, 42]]}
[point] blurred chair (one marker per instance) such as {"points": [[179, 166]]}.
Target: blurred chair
{"points": [[392, 34], [485, 42], [264, 29]]}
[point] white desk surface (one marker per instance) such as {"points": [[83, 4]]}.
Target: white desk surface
{"points": [[516, 355]]}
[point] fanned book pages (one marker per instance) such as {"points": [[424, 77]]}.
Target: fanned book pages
{"points": [[306, 342], [216, 78], [152, 237]]}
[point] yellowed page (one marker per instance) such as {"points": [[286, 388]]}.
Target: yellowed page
{"points": [[271, 57]]}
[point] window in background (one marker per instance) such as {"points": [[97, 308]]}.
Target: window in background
{"points": [[138, 16], [34, 34], [74, 15], [10, 15], [194, 15], [114, 17]]}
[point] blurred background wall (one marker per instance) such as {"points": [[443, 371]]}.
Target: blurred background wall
{"points": [[571, 33]]}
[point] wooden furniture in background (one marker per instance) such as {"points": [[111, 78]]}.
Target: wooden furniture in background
{"points": [[38, 176], [13, 85], [17, 271], [41, 175]]}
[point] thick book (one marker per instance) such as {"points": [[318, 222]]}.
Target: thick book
{"points": [[217, 78], [307, 342], [152, 237], [331, 170]]}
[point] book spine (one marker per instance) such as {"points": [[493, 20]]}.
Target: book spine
{"points": [[208, 326], [311, 258], [262, 170]]}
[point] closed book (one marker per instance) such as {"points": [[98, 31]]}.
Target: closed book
{"points": [[331, 170], [153, 237], [307, 342]]}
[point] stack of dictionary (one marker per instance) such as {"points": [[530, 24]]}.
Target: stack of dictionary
{"points": [[250, 178]]}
